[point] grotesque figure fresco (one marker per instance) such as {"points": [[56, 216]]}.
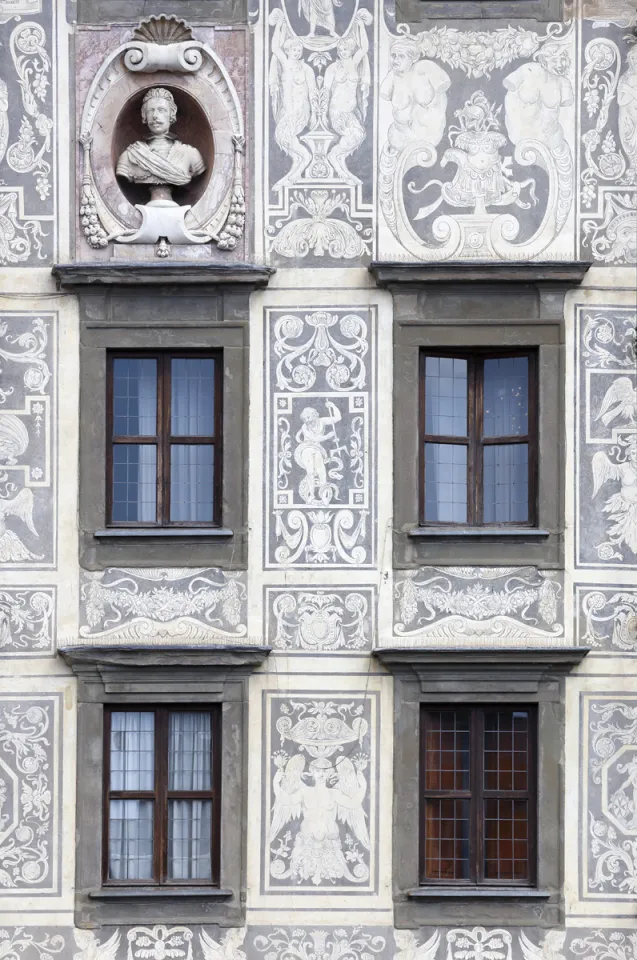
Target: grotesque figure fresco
{"points": [[162, 161]]}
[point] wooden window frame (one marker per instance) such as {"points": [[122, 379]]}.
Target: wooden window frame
{"points": [[162, 440], [476, 794], [160, 796], [474, 440]]}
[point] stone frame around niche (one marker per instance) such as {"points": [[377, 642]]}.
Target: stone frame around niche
{"points": [[484, 305], [161, 52], [121, 677]]}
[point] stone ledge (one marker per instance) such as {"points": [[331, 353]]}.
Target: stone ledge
{"points": [[432, 661], [389, 273], [71, 275]]}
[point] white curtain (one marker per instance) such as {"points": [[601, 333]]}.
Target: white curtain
{"points": [[189, 821], [132, 763]]}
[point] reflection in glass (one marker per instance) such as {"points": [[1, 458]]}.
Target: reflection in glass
{"points": [[189, 839], [506, 397], [189, 745], [134, 397], [132, 750], [446, 396], [191, 483], [506, 483], [446, 482], [134, 483], [192, 406]]}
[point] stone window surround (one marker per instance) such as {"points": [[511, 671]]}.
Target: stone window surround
{"points": [[458, 305], [150, 307], [120, 677], [417, 12], [474, 676]]}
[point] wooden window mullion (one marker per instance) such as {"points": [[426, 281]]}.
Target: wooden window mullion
{"points": [[478, 725], [159, 829]]}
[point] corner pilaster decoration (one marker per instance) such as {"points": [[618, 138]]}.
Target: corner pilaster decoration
{"points": [[180, 181]]}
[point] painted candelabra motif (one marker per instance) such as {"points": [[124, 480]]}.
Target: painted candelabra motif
{"points": [[27, 413], [612, 800], [608, 201], [607, 436], [320, 70], [322, 430], [532, 122], [318, 834], [26, 119]]}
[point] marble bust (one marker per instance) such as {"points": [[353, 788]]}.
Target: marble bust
{"points": [[161, 160]]}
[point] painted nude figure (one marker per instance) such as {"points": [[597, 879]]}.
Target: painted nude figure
{"points": [[347, 83], [293, 91], [536, 93], [417, 90], [161, 161], [317, 853], [311, 455]]}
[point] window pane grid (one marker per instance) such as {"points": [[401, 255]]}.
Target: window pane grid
{"points": [[174, 476], [161, 798], [477, 815], [477, 439]]}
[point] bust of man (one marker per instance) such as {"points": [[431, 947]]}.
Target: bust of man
{"points": [[161, 160]]}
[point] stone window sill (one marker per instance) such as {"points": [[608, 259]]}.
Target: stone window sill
{"points": [[160, 893], [469, 893], [423, 533], [141, 533]]}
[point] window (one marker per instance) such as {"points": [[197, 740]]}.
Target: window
{"points": [[164, 428], [162, 796], [477, 810], [478, 427], [478, 754]]}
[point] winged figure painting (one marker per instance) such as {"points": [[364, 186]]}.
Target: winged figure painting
{"points": [[317, 852], [12, 550], [228, 949], [619, 403], [91, 949], [549, 949]]}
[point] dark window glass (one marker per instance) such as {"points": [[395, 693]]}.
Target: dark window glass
{"points": [[162, 796], [164, 461], [477, 779], [478, 439]]}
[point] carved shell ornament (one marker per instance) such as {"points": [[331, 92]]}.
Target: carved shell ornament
{"points": [[177, 137]]}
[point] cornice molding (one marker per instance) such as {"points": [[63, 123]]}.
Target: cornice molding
{"points": [[183, 273], [392, 273]]}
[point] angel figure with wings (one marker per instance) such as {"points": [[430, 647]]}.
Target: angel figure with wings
{"points": [[347, 83], [619, 403], [621, 507], [317, 854], [12, 550]]}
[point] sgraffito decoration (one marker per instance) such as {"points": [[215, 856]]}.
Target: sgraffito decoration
{"points": [[606, 437], [321, 797], [27, 175], [321, 429], [476, 943], [29, 818], [160, 942], [319, 59], [476, 133], [28, 396], [608, 193], [492, 605], [33, 943], [604, 945], [330, 619], [155, 605], [607, 617], [27, 621], [610, 839], [354, 943]]}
